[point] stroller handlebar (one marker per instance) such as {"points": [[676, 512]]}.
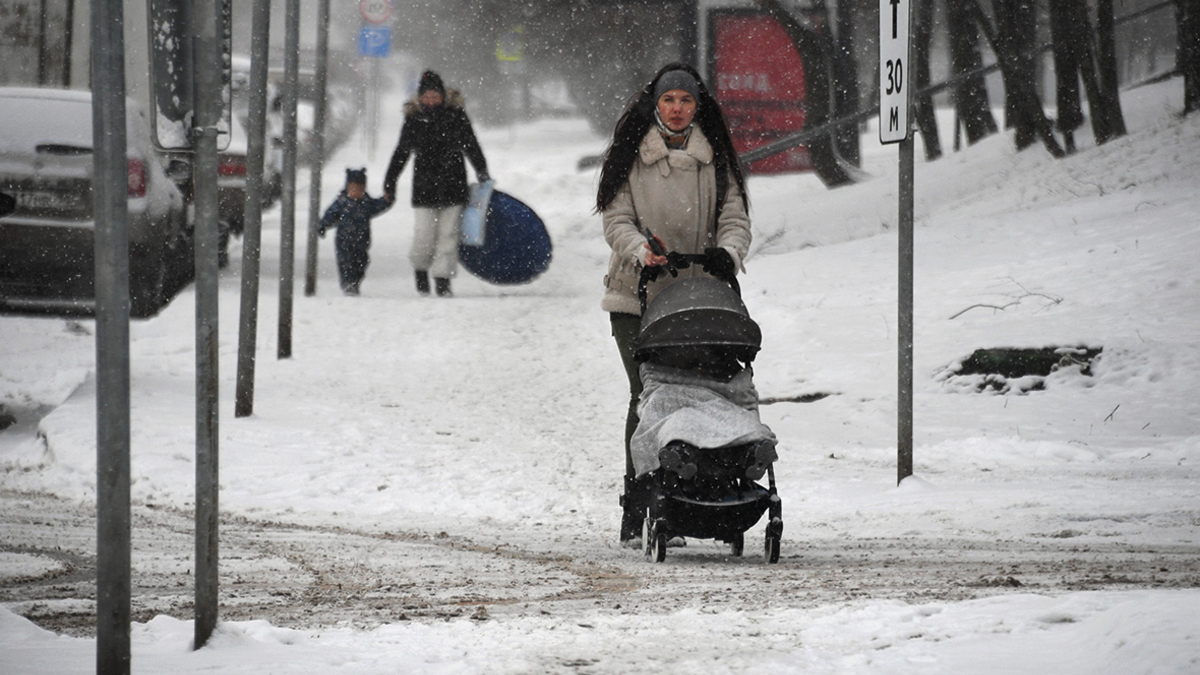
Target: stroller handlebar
{"points": [[676, 262]]}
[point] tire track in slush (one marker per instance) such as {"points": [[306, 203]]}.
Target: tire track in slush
{"points": [[309, 576]]}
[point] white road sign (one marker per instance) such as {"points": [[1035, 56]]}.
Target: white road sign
{"points": [[893, 70], [375, 11]]}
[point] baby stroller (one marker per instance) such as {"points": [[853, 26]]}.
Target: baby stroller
{"points": [[700, 447]]}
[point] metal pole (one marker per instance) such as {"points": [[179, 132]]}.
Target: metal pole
{"points": [[42, 51], [208, 103], [110, 200], [260, 42], [287, 246], [318, 147], [904, 467], [361, 99], [904, 427], [374, 111]]}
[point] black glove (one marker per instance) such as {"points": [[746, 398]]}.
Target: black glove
{"points": [[718, 263], [482, 176], [321, 232], [676, 262]]}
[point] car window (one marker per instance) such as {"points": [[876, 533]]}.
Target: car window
{"points": [[30, 122]]}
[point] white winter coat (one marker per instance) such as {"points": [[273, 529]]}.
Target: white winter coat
{"points": [[672, 194]]}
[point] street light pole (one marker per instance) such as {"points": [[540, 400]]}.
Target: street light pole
{"points": [[208, 83], [110, 202]]}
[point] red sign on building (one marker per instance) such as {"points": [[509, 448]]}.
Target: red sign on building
{"points": [[759, 79]]}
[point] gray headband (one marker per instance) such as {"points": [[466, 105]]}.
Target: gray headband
{"points": [[677, 79]]}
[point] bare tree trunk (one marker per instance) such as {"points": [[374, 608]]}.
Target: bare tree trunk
{"points": [[970, 98], [926, 119], [1066, 73], [1074, 59], [1016, 31], [1187, 59], [1106, 56], [846, 83], [1018, 88]]}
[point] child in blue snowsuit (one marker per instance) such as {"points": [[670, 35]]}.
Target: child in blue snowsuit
{"points": [[351, 214]]}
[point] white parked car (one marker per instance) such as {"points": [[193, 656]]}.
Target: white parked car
{"points": [[231, 174], [47, 243]]}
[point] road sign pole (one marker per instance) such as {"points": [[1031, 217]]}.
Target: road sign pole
{"points": [[904, 427], [373, 110], [894, 107], [374, 43]]}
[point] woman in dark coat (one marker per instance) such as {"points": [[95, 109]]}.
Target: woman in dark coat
{"points": [[437, 130]]}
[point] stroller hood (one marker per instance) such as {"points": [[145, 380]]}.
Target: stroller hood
{"points": [[700, 311]]}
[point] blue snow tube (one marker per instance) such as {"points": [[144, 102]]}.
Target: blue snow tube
{"points": [[516, 247]]}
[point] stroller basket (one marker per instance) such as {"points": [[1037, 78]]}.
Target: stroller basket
{"points": [[724, 519]]}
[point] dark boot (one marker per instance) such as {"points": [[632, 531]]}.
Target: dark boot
{"points": [[423, 282], [634, 503], [443, 287]]}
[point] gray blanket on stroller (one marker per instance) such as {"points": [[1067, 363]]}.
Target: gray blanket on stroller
{"points": [[678, 405]]}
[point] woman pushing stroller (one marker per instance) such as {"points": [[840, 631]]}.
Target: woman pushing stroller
{"points": [[670, 176]]}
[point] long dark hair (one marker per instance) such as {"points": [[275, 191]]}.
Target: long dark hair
{"points": [[636, 121]]}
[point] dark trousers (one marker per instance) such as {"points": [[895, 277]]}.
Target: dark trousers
{"points": [[625, 329], [352, 243]]}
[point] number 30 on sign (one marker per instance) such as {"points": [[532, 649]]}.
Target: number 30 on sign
{"points": [[893, 70]]}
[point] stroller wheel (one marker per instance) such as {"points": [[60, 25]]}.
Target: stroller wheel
{"points": [[646, 534], [658, 551], [655, 539], [771, 549], [737, 545]]}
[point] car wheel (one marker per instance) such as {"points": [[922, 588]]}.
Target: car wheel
{"points": [[147, 282], [183, 264], [223, 235]]}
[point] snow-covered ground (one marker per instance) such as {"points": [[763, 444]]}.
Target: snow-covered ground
{"points": [[495, 418]]}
